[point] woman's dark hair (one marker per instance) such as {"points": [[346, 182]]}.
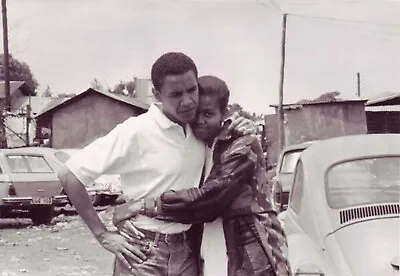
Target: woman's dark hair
{"points": [[173, 63], [214, 87]]}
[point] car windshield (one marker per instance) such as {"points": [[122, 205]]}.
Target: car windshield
{"points": [[364, 181], [290, 160], [28, 164], [62, 156]]}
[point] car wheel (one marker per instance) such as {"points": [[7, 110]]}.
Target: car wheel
{"points": [[42, 214], [111, 200], [96, 199]]}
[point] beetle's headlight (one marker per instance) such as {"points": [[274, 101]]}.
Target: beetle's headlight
{"points": [[308, 270]]}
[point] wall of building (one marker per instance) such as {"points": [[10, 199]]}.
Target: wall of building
{"points": [[90, 117], [383, 122], [315, 122]]}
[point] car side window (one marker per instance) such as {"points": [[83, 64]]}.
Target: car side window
{"points": [[38, 164], [28, 164], [17, 164], [297, 190]]}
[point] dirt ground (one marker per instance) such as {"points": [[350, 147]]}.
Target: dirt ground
{"points": [[66, 247]]}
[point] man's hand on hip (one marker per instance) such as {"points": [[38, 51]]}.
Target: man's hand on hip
{"points": [[129, 231], [122, 248]]}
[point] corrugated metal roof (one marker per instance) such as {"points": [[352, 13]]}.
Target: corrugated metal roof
{"points": [[383, 108], [330, 101], [38, 103], [125, 99], [117, 97], [383, 97]]}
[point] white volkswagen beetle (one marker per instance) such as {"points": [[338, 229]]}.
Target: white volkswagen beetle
{"points": [[343, 217]]}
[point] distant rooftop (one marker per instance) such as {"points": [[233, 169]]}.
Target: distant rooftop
{"points": [[118, 97], [319, 102], [14, 86], [383, 108], [383, 97], [326, 98]]}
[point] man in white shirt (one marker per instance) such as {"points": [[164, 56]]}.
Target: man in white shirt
{"points": [[153, 153]]}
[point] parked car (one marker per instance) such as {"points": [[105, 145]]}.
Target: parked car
{"points": [[283, 179], [104, 190], [29, 183], [343, 217]]}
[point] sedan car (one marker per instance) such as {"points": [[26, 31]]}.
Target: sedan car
{"points": [[283, 179], [29, 183], [343, 217]]}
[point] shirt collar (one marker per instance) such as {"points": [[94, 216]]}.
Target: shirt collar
{"points": [[160, 118]]}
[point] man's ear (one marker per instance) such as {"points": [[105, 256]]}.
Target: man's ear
{"points": [[156, 94]]}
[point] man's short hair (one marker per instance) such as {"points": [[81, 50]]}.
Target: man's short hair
{"points": [[172, 63], [214, 87]]}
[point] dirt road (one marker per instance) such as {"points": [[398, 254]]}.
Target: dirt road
{"points": [[64, 248]]}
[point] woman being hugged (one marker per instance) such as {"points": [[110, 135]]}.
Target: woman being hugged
{"points": [[228, 200]]}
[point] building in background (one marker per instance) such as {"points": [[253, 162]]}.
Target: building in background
{"points": [[318, 120], [383, 113], [77, 121]]}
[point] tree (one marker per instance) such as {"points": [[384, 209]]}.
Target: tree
{"points": [[19, 71], [246, 114], [47, 92], [125, 87], [96, 85]]}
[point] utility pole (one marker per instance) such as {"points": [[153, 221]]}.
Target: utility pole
{"points": [[281, 130], [3, 138], [6, 55], [28, 121], [358, 85]]}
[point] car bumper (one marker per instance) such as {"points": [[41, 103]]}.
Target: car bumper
{"points": [[28, 201]]}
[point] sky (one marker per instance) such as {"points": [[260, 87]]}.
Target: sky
{"points": [[68, 43]]}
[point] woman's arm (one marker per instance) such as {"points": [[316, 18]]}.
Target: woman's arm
{"points": [[197, 205]]}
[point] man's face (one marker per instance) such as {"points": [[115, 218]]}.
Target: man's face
{"points": [[208, 119], [179, 96]]}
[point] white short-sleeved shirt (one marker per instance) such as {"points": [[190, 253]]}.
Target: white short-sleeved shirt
{"points": [[152, 154]]}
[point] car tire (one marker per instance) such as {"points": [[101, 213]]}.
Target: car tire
{"points": [[112, 199], [41, 214], [96, 200]]}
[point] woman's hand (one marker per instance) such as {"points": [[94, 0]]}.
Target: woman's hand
{"points": [[243, 125]]}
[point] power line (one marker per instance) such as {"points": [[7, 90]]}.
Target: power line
{"points": [[370, 34], [276, 5], [268, 7], [344, 20]]}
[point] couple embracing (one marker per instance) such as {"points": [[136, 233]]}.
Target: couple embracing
{"points": [[191, 175]]}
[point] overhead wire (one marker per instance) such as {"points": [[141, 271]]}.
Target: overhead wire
{"points": [[276, 6], [344, 20], [383, 35]]}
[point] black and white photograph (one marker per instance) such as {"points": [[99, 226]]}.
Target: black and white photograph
{"points": [[200, 138]]}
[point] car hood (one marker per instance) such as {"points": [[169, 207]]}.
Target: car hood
{"points": [[370, 248], [286, 180]]}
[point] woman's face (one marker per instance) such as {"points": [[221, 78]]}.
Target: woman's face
{"points": [[208, 119]]}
